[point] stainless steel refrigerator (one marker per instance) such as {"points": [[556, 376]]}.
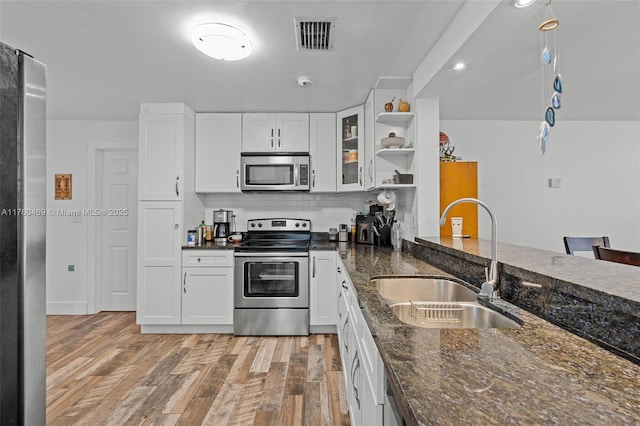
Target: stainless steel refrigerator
{"points": [[22, 238]]}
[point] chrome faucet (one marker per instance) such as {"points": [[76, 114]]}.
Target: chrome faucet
{"points": [[490, 286]]}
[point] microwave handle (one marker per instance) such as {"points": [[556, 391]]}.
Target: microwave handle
{"points": [[296, 174], [271, 138], [237, 178], [279, 140]]}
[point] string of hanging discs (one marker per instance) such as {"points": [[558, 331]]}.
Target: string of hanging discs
{"points": [[551, 79]]}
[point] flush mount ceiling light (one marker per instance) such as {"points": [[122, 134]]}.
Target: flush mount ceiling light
{"points": [[459, 66], [523, 3], [221, 41]]}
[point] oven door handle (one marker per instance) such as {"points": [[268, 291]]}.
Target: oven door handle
{"points": [[271, 254]]}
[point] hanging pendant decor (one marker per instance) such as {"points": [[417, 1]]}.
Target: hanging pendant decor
{"points": [[557, 83], [543, 136], [551, 80]]}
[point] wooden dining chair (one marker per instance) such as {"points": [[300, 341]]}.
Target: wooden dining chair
{"points": [[573, 244], [619, 256]]}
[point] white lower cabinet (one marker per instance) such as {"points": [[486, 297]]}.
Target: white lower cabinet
{"points": [[322, 276], [361, 362], [159, 237], [207, 287]]}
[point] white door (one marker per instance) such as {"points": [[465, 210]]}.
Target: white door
{"points": [[119, 230]]}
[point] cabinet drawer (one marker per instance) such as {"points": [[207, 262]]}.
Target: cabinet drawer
{"points": [[207, 258]]}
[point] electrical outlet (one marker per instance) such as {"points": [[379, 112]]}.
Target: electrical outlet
{"points": [[71, 268]]}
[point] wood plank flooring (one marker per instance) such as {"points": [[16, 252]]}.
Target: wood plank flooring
{"points": [[102, 371]]}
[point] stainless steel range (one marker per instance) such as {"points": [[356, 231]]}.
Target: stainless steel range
{"points": [[272, 279]]}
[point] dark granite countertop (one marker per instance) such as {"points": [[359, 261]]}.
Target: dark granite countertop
{"points": [[606, 277], [535, 374], [210, 245]]}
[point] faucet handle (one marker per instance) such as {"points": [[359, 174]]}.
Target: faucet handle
{"points": [[486, 274], [488, 289]]}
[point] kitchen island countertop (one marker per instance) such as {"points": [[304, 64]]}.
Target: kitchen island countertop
{"points": [[535, 374]]}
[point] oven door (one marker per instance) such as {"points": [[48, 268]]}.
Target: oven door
{"points": [[271, 280]]}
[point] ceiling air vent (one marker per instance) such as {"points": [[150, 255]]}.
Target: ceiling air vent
{"points": [[315, 33]]}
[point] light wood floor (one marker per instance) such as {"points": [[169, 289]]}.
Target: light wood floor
{"points": [[102, 371]]}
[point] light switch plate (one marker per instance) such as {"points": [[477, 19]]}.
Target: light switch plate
{"points": [[554, 182]]}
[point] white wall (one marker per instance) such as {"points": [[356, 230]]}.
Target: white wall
{"points": [[67, 152], [598, 164]]}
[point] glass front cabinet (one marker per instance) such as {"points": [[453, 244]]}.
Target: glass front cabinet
{"points": [[350, 136]]}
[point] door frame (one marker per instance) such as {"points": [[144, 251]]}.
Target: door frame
{"points": [[94, 223]]}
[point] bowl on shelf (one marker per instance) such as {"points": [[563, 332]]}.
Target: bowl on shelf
{"points": [[392, 142]]}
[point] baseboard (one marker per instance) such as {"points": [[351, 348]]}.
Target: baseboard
{"points": [[185, 329], [67, 308], [323, 329]]}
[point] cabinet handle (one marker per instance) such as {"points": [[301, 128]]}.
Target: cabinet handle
{"points": [[345, 333], [360, 175], [339, 270], [314, 267], [339, 313], [177, 180], [355, 367], [271, 138], [371, 170], [176, 226], [344, 285], [279, 140], [313, 178], [184, 283]]}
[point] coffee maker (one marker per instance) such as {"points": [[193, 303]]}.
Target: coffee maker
{"points": [[222, 225], [374, 228]]}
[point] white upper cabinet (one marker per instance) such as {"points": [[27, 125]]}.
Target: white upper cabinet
{"points": [[218, 135], [265, 132], [162, 132], [350, 155], [369, 142], [322, 149]]}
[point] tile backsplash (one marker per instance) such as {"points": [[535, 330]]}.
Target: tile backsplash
{"points": [[324, 210]]}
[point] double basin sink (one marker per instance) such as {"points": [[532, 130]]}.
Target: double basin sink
{"points": [[438, 303]]}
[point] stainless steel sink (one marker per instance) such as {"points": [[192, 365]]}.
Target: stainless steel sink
{"points": [[451, 315], [395, 290], [438, 303]]}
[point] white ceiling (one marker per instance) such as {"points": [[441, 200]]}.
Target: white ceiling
{"points": [[105, 57]]}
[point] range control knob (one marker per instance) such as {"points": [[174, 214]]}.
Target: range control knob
{"points": [[253, 225], [297, 225], [260, 225], [304, 224]]}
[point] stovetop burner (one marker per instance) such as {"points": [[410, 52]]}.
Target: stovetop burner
{"points": [[277, 235]]}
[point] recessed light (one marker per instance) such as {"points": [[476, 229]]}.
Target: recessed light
{"points": [[221, 41], [523, 3], [459, 66]]}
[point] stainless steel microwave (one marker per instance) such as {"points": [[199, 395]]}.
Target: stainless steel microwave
{"points": [[274, 171]]}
